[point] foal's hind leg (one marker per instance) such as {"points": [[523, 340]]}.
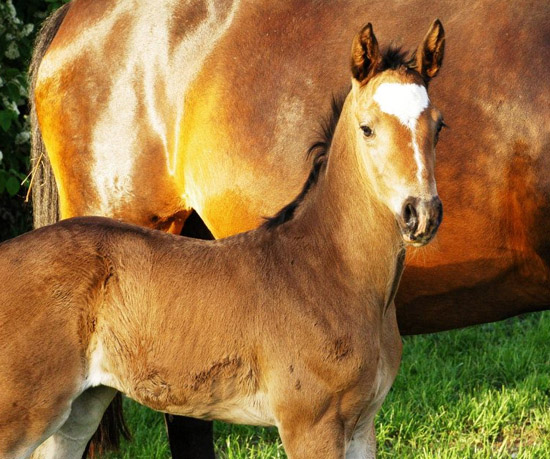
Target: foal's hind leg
{"points": [[70, 441]]}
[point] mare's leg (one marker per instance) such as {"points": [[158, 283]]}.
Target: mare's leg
{"points": [[190, 438], [70, 440]]}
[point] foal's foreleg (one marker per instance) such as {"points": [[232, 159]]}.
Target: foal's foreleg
{"points": [[70, 441], [324, 438], [363, 443]]}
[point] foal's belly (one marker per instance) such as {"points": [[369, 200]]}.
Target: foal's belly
{"points": [[246, 409], [225, 399], [252, 409]]}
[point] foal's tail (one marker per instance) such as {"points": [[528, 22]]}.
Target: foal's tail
{"points": [[45, 203], [45, 207]]}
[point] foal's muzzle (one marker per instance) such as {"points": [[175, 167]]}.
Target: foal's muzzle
{"points": [[420, 219]]}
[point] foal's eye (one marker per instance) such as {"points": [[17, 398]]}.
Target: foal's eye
{"points": [[367, 131], [440, 126]]}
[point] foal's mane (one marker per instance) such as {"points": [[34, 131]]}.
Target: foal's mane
{"points": [[393, 58], [319, 150]]}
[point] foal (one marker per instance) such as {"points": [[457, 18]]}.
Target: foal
{"points": [[291, 325]]}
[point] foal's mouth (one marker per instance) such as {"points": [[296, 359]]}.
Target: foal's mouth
{"points": [[418, 242]]}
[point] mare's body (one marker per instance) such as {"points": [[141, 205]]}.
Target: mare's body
{"points": [[147, 113]]}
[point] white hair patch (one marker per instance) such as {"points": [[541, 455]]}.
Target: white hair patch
{"points": [[405, 101]]}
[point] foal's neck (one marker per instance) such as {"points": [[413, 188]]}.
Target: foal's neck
{"points": [[352, 226]]}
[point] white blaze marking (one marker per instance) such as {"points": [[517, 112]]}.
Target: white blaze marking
{"points": [[406, 102]]}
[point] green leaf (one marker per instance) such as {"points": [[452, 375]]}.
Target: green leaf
{"points": [[11, 107], [22, 138], [12, 73], [12, 186], [5, 120], [18, 175], [27, 30], [14, 91], [12, 51]]}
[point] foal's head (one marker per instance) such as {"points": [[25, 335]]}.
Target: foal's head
{"points": [[396, 128]]}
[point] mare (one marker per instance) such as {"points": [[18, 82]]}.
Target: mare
{"points": [[292, 324], [146, 113]]}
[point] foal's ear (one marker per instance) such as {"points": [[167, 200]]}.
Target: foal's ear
{"points": [[365, 55], [429, 55]]}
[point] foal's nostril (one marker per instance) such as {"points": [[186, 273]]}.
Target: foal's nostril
{"points": [[410, 216], [439, 210]]}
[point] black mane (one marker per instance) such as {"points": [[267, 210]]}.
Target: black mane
{"points": [[319, 150], [393, 58]]}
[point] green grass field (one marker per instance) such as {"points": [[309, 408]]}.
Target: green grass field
{"points": [[482, 392]]}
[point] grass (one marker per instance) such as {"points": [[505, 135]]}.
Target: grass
{"points": [[482, 392]]}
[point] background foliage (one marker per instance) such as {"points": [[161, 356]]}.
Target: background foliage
{"points": [[20, 20]]}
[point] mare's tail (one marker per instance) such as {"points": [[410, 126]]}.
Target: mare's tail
{"points": [[45, 206]]}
